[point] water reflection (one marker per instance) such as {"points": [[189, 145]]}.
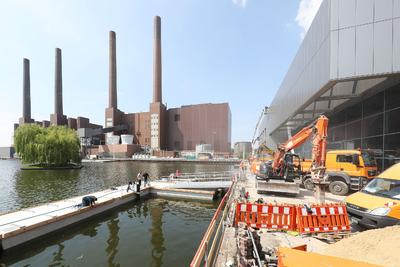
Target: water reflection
{"points": [[58, 256], [112, 241], [157, 237]]}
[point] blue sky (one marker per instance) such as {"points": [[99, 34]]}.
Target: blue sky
{"points": [[235, 51]]}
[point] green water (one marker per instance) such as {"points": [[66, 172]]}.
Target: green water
{"points": [[151, 232]]}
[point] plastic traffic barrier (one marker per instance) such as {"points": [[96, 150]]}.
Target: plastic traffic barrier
{"points": [[322, 218], [268, 216]]}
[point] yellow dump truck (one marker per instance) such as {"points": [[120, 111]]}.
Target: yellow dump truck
{"points": [[347, 170], [377, 204]]}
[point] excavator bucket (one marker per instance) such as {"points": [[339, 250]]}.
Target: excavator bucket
{"points": [[278, 186]]}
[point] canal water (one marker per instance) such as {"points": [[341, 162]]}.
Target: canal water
{"points": [[151, 232]]}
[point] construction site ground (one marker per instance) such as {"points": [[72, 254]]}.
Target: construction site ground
{"points": [[365, 246]]}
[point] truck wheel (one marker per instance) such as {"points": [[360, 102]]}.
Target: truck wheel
{"points": [[338, 188], [308, 184]]}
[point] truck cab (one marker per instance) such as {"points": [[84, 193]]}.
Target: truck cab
{"points": [[355, 163], [346, 169]]}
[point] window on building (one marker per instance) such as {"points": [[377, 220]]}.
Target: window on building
{"points": [[392, 98], [344, 158], [353, 130], [177, 117], [339, 133], [338, 118], [373, 104], [392, 124], [392, 146], [372, 125], [392, 150], [354, 112]]}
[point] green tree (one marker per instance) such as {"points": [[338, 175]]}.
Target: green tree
{"points": [[52, 146]]}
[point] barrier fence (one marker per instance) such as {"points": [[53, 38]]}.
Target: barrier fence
{"points": [[313, 219], [322, 218], [280, 217], [212, 239]]}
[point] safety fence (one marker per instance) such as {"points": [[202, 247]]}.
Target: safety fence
{"points": [[322, 218], [205, 254], [303, 219], [279, 217]]}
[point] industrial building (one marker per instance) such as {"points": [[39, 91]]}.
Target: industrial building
{"points": [[348, 68], [160, 130]]}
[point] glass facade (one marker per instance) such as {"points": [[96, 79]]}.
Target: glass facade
{"points": [[373, 123]]}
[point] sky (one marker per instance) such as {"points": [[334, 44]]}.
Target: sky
{"points": [[213, 51]]}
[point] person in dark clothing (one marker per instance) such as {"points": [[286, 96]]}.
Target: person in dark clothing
{"points": [[88, 201], [129, 187], [145, 178]]}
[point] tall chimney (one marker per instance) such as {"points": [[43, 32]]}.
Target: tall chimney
{"points": [[26, 98], [112, 98], [58, 105], [157, 75]]}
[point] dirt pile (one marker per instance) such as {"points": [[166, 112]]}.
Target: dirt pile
{"points": [[380, 246]]}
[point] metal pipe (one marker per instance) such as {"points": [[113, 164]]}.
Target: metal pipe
{"points": [[254, 247]]}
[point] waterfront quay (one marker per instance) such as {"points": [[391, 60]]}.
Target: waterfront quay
{"points": [[147, 231]]}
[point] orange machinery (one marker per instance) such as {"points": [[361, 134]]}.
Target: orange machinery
{"points": [[283, 173]]}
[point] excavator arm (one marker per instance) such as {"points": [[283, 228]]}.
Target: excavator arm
{"points": [[318, 130]]}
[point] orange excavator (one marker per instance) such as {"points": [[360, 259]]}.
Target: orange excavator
{"points": [[283, 173]]}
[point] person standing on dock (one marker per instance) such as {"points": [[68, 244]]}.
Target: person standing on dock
{"points": [[139, 178], [145, 178]]}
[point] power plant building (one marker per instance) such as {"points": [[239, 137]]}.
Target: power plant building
{"points": [[159, 129], [172, 129]]}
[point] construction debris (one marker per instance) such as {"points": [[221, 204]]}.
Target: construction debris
{"points": [[246, 257]]}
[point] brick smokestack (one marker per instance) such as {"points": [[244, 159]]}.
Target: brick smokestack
{"points": [[157, 68], [112, 98], [58, 105], [26, 85]]}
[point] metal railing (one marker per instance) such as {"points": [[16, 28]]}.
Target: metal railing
{"points": [[212, 238], [203, 175]]}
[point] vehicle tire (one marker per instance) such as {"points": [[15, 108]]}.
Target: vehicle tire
{"points": [[338, 188], [308, 184]]}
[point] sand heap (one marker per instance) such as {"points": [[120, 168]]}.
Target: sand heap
{"points": [[380, 246]]}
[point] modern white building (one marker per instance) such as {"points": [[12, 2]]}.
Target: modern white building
{"points": [[348, 68]]}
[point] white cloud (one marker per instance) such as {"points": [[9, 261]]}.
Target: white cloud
{"points": [[241, 3], [306, 13]]}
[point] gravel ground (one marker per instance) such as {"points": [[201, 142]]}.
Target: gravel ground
{"points": [[379, 246]]}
